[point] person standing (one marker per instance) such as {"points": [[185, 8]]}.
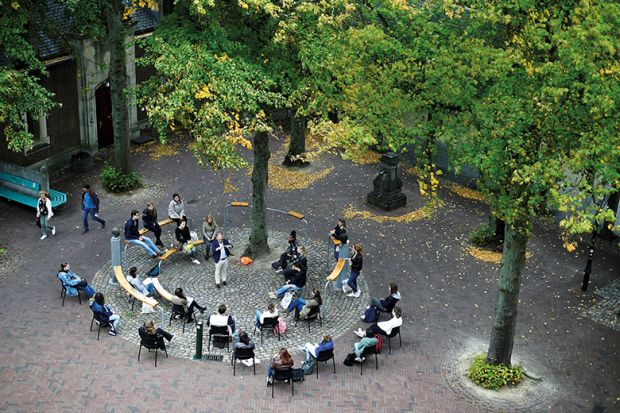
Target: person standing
{"points": [[209, 227], [90, 206], [149, 220], [221, 252], [176, 209], [44, 213], [356, 261], [132, 234]]}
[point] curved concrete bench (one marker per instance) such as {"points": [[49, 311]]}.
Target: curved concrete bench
{"points": [[122, 280], [163, 293]]}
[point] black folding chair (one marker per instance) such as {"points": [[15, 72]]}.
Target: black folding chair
{"points": [[395, 332], [179, 310], [221, 333], [283, 375], [151, 343], [324, 356], [369, 351], [243, 354], [63, 293], [102, 324], [269, 324], [313, 315], [388, 310]]}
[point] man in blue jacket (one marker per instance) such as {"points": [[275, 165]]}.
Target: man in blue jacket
{"points": [[90, 206], [132, 234]]}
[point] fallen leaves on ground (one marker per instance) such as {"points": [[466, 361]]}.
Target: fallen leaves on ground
{"points": [[156, 150], [485, 255], [415, 215], [290, 179]]}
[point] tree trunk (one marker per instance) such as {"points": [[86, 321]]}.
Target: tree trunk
{"points": [[612, 203], [513, 260], [499, 232], [258, 237], [118, 84], [297, 146]]}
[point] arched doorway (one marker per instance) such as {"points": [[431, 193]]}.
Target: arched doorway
{"points": [[103, 100]]}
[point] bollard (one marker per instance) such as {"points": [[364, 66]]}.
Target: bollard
{"points": [[198, 355], [115, 252]]}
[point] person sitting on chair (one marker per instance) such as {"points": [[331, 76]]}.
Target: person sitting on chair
{"points": [[105, 313], [184, 306], [149, 333], [369, 340], [185, 242], [302, 307], [281, 361], [289, 255], [313, 350], [73, 283], [132, 234], [271, 312], [384, 327], [388, 303], [221, 319], [244, 341], [146, 288]]}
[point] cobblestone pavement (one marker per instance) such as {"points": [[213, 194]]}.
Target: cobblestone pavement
{"points": [[50, 362], [246, 292], [607, 310]]}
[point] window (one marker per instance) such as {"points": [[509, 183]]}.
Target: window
{"points": [[38, 128]]}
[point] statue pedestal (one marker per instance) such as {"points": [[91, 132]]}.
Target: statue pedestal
{"points": [[387, 185]]}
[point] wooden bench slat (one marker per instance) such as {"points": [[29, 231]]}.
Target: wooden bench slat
{"points": [[161, 290], [337, 270], [335, 241], [120, 277], [297, 215], [239, 204], [161, 224], [174, 250]]}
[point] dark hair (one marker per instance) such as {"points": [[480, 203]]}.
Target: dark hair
{"points": [[221, 309], [393, 288], [86, 186], [271, 307], [244, 338], [63, 266], [179, 293], [370, 332], [344, 223], [317, 295], [133, 271], [99, 299], [293, 234], [175, 195], [397, 312], [134, 212]]}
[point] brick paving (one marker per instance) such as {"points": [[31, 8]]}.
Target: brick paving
{"points": [[49, 361]]}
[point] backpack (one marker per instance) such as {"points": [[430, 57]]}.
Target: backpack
{"points": [[349, 359], [379, 343], [308, 366], [371, 315], [298, 375], [281, 327], [153, 272], [286, 300]]}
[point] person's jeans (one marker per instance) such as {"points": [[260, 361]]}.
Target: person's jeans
{"points": [[352, 281], [207, 247], [310, 350], [90, 211], [270, 372], [220, 270], [45, 224], [258, 314], [297, 304], [286, 287], [374, 301], [147, 244], [115, 319]]}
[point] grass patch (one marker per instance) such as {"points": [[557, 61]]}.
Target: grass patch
{"points": [[493, 377]]}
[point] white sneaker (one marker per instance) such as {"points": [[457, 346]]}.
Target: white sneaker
{"points": [[357, 294], [53, 230], [345, 289], [362, 317], [196, 262], [44, 236], [352, 294], [272, 295], [359, 333]]}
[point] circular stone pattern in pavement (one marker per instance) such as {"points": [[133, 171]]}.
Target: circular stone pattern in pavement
{"points": [[527, 396], [247, 291]]}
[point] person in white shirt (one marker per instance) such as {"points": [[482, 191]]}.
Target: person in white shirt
{"points": [[261, 315], [147, 288], [221, 319], [44, 213], [384, 327]]}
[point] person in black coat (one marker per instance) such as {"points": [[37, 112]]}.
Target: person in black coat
{"points": [[186, 245], [339, 233], [289, 255], [152, 336], [356, 262], [149, 220]]}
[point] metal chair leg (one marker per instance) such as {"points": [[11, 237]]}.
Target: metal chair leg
{"points": [[156, 351], [334, 363], [254, 364], [139, 351]]}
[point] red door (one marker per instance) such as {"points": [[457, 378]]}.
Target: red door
{"points": [[103, 99]]}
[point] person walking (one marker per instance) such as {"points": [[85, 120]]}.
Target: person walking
{"points": [[132, 234], [44, 213], [149, 220], [90, 206], [356, 261], [221, 252]]}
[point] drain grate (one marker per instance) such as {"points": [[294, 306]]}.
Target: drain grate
{"points": [[212, 357]]}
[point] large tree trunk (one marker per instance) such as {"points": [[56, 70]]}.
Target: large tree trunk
{"points": [[118, 84], [297, 145], [258, 237], [513, 260]]}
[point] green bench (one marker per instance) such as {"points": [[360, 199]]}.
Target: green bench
{"points": [[57, 198]]}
